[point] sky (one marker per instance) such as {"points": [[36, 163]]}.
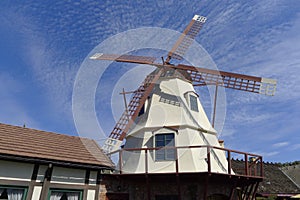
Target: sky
{"points": [[45, 45]]}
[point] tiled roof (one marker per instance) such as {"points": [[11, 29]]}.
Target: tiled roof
{"points": [[275, 181], [42, 145], [293, 172]]}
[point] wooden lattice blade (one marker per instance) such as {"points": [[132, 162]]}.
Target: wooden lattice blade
{"points": [[202, 76], [124, 58], [186, 38], [126, 120]]}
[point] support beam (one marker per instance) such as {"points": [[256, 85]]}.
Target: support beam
{"points": [[46, 182], [215, 106], [33, 181]]}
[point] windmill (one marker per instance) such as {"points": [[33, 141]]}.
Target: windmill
{"points": [[196, 75], [171, 147]]}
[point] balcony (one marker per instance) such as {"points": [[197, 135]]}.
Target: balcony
{"points": [[188, 160]]}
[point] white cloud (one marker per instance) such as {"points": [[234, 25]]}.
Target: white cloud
{"points": [[280, 144], [267, 154]]}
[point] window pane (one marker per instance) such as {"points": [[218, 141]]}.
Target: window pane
{"points": [[15, 194], [65, 195], [193, 103], [12, 193], [170, 154], [163, 140], [160, 143], [56, 195], [169, 137], [160, 154], [159, 137], [73, 195]]}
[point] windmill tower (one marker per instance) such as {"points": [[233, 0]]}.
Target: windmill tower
{"points": [[165, 126]]}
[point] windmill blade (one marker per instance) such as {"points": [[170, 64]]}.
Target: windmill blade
{"points": [[201, 76], [126, 120], [124, 58], [186, 38]]}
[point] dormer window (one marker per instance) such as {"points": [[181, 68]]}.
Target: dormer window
{"points": [[193, 103], [144, 107], [191, 98]]}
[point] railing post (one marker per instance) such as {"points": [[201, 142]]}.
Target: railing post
{"points": [[246, 164], [229, 162], [208, 159], [120, 161], [261, 167], [146, 161], [176, 161]]}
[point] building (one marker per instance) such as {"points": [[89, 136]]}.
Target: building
{"points": [[40, 165], [172, 151]]}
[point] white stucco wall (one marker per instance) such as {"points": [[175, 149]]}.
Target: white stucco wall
{"points": [[91, 194], [36, 193]]}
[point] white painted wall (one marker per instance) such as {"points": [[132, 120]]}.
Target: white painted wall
{"points": [[36, 193], [91, 194], [20, 171]]}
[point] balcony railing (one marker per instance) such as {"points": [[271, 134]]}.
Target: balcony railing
{"points": [[237, 163]]}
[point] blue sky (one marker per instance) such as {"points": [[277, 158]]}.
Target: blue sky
{"points": [[44, 43]]}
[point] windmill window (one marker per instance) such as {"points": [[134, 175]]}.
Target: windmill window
{"points": [[142, 111], [194, 103], [165, 143], [57, 194], [12, 192]]}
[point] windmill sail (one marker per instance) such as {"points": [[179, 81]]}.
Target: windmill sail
{"points": [[126, 120], [202, 76], [186, 38], [124, 58]]}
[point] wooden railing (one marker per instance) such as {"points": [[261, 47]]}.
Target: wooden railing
{"points": [[238, 163]]}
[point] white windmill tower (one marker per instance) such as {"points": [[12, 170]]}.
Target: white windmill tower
{"points": [[165, 126]]}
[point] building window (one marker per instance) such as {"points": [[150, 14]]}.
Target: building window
{"points": [[193, 103], [58, 194], [164, 142], [13, 192], [142, 111]]}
